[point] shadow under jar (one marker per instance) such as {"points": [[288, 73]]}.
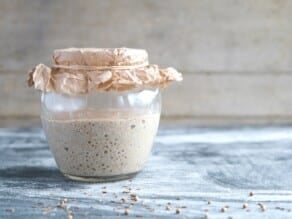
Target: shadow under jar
{"points": [[100, 110]]}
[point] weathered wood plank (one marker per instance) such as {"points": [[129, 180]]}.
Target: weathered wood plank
{"points": [[234, 95], [35, 122], [201, 98], [196, 35], [194, 164], [248, 43]]}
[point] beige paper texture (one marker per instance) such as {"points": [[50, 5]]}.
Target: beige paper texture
{"points": [[79, 71]]}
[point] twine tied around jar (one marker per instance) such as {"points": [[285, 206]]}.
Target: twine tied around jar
{"points": [[92, 68]]}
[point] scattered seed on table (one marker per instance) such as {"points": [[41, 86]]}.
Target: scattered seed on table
{"points": [[177, 211], [168, 208], [223, 209], [60, 205], [11, 210], [209, 202], [134, 197], [126, 211], [251, 194], [262, 206], [245, 205]]}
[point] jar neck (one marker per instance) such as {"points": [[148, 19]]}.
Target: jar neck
{"points": [[142, 102]]}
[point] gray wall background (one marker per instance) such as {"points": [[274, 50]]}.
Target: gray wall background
{"points": [[236, 55]]}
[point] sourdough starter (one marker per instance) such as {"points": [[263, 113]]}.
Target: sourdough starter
{"points": [[101, 146]]}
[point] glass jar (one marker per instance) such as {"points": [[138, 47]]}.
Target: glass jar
{"points": [[100, 109], [101, 136]]}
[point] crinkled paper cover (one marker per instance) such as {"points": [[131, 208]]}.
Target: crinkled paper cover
{"points": [[79, 71]]}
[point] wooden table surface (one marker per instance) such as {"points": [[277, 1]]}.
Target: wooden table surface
{"points": [[189, 167]]}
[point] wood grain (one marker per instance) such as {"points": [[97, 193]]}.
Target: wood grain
{"points": [[200, 99], [190, 35], [188, 167], [235, 55]]}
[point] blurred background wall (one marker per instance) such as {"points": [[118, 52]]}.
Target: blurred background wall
{"points": [[236, 55]]}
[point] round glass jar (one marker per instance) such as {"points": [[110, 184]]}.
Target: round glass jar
{"points": [[101, 136], [100, 110]]}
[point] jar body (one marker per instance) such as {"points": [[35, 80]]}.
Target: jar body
{"points": [[101, 136]]}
